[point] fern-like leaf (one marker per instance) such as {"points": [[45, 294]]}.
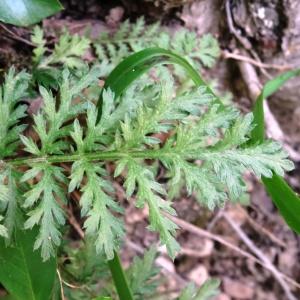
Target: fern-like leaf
{"points": [[95, 202], [68, 51], [150, 192], [13, 90], [142, 275], [37, 38], [46, 212], [138, 36], [10, 197], [51, 128]]}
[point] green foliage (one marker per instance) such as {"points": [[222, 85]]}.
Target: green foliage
{"points": [[208, 290], [50, 126], [112, 48], [10, 198], [12, 92], [289, 205], [133, 37], [209, 50], [198, 141], [204, 147], [142, 275], [22, 272], [46, 211], [83, 266], [3, 230], [85, 269], [37, 38], [68, 50], [96, 203], [150, 192]]}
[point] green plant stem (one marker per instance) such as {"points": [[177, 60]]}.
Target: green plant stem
{"points": [[119, 278], [95, 156]]}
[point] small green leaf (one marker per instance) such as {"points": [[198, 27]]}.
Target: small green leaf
{"points": [[47, 213], [27, 12], [23, 273], [207, 290], [209, 50], [142, 275], [149, 192]]}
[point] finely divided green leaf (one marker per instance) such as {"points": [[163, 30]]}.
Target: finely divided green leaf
{"points": [[134, 37], [96, 203], [141, 275], [261, 159]]}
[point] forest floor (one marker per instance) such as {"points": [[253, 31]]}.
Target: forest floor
{"points": [[248, 247]]}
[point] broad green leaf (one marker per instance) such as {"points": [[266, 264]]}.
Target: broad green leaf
{"points": [[27, 12], [286, 200], [23, 273]]}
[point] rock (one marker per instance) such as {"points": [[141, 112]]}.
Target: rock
{"points": [[115, 16], [198, 275], [202, 16], [222, 296]]}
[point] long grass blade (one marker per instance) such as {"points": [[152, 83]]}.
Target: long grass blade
{"points": [[285, 199]]}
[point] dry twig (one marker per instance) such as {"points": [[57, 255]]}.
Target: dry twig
{"points": [[244, 41], [261, 229], [276, 273], [61, 285], [254, 86], [74, 223], [236, 56], [203, 233], [15, 36]]}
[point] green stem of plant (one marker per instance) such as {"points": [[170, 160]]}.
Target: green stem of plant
{"points": [[119, 278], [95, 156]]}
